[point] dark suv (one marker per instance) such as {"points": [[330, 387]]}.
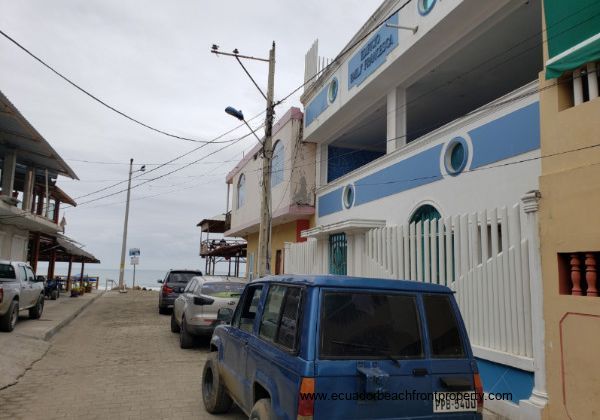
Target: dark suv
{"points": [[329, 347], [172, 286]]}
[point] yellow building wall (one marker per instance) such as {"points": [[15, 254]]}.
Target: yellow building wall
{"points": [[280, 234], [569, 222]]}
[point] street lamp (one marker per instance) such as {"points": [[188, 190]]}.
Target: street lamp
{"points": [[124, 245], [240, 116]]}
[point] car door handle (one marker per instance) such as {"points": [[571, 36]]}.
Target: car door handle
{"points": [[420, 372]]}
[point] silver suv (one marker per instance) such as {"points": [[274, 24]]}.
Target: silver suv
{"points": [[204, 303], [19, 290]]}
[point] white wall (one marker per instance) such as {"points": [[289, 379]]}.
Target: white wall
{"points": [[13, 243], [297, 185], [491, 186]]}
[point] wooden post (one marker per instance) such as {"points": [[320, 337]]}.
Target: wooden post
{"points": [[69, 281], [591, 274], [81, 277], [52, 263], [576, 275], [35, 251]]}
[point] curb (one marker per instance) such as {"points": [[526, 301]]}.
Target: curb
{"points": [[50, 333]]}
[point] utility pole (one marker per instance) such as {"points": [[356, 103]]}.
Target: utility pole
{"points": [[124, 245], [264, 233]]}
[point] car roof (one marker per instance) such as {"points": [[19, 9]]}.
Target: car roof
{"points": [[222, 279], [356, 283]]}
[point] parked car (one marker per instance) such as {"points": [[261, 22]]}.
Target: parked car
{"points": [[19, 291], [195, 312], [327, 347], [172, 286]]}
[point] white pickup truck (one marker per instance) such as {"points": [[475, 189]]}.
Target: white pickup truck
{"points": [[19, 290]]}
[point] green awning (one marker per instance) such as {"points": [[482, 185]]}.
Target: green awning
{"points": [[573, 30]]}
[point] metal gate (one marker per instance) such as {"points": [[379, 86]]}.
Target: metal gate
{"points": [[338, 254]]}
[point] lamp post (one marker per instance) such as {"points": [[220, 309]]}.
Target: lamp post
{"points": [[124, 244], [264, 233]]}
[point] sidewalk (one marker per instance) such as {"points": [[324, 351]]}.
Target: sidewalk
{"points": [[28, 343]]}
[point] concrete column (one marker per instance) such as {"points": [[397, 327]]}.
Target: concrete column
{"points": [[396, 119], [28, 188], [8, 172], [350, 252], [321, 166], [539, 395]]}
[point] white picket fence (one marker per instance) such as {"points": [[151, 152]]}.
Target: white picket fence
{"points": [[483, 256]]}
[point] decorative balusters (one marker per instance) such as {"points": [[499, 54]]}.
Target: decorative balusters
{"points": [[575, 275], [582, 274], [591, 274]]}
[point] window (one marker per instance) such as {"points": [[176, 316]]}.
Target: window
{"points": [[444, 335], [189, 288], [223, 289], [241, 191], [7, 271], [369, 326], [456, 156], [277, 164], [246, 313], [270, 319], [279, 323], [425, 6]]}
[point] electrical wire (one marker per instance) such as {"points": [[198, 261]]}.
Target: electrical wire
{"points": [[100, 101]]}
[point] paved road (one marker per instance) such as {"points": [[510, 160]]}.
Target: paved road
{"points": [[117, 360]]}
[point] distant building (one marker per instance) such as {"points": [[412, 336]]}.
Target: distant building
{"points": [[292, 186], [30, 198], [427, 133]]}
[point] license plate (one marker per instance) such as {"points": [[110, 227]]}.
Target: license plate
{"points": [[454, 402]]}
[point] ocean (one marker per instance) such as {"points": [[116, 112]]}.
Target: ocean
{"points": [[143, 278]]}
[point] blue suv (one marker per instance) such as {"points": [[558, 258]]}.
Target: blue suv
{"points": [[325, 347]]}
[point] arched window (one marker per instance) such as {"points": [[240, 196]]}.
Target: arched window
{"points": [[241, 191], [277, 164], [425, 212]]}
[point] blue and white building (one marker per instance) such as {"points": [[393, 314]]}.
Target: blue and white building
{"points": [[428, 156]]}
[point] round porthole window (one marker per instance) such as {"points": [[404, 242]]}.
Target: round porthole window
{"points": [[348, 196], [425, 6], [333, 90], [457, 155]]}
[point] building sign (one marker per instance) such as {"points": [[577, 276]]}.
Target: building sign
{"points": [[134, 252], [373, 54]]}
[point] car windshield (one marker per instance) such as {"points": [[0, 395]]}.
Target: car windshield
{"points": [[223, 289], [7, 271], [369, 326], [182, 276]]}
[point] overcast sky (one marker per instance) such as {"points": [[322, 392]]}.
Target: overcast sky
{"points": [[152, 60]]}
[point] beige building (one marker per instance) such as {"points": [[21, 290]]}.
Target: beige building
{"points": [[292, 192], [570, 207]]}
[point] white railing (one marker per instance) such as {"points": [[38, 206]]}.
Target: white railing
{"points": [[483, 256]]}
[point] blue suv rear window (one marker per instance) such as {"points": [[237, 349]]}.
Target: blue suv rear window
{"points": [[359, 325], [443, 328]]}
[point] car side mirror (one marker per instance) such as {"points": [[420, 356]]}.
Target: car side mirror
{"points": [[203, 300], [159, 281], [225, 315]]}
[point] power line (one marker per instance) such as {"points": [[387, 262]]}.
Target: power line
{"points": [[100, 101], [176, 158]]}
